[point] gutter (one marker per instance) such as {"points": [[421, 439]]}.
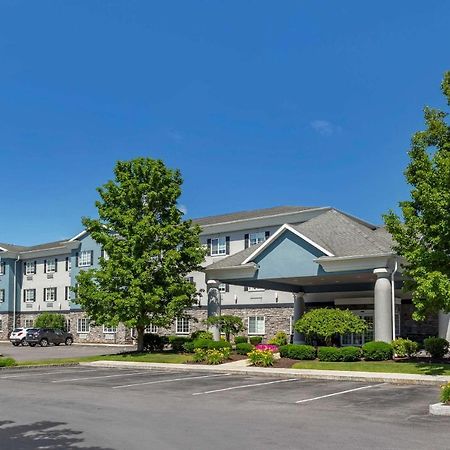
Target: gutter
{"points": [[393, 298]]}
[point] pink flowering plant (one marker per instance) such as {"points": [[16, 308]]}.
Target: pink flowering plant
{"points": [[267, 347]]}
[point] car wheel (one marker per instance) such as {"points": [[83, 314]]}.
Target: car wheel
{"points": [[15, 344], [69, 341], [43, 343], [23, 342], [32, 344]]}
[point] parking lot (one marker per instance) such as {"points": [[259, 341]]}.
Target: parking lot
{"points": [[101, 408]]}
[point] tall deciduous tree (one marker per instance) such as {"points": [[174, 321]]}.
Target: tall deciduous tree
{"points": [[149, 250], [423, 234]]}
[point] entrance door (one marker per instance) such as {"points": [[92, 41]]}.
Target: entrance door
{"points": [[360, 338]]}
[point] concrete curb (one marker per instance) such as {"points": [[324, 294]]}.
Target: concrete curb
{"points": [[40, 366], [439, 409], [379, 377]]}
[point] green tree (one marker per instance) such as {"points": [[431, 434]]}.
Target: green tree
{"points": [[325, 323], [50, 320], [229, 325], [150, 249], [422, 236]]}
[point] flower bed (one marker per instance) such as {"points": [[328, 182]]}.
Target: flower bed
{"points": [[267, 347]]}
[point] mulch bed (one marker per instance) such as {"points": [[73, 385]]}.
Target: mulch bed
{"points": [[284, 363], [233, 357]]}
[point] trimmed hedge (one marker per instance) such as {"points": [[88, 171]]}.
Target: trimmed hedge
{"points": [[243, 348], [297, 351], [154, 342], [350, 354], [404, 347], [255, 340], [206, 344], [7, 362], [437, 347], [377, 351], [201, 334], [240, 340], [177, 342], [331, 354]]}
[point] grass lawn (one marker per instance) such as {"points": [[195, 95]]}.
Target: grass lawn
{"points": [[165, 357], [378, 366]]}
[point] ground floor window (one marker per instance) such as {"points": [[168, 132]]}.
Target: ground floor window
{"points": [[1, 325], [2, 295], [29, 323], [109, 330], [182, 325], [151, 329], [83, 325], [361, 338], [256, 325]]}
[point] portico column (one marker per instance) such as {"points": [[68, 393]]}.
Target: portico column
{"points": [[444, 325], [214, 300], [299, 310], [383, 305]]}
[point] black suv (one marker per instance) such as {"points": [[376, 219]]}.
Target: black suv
{"points": [[46, 336]]}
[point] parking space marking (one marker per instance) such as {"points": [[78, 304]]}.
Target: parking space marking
{"points": [[101, 376], [338, 393], [27, 374], [245, 386], [171, 380]]}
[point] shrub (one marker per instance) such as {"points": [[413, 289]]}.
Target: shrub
{"points": [[177, 342], [271, 347], [436, 346], [244, 348], [261, 358], [7, 362], [445, 394], [199, 355], [154, 342], [350, 354], [255, 340], [217, 356], [189, 347], [201, 334], [324, 323], [404, 347], [50, 320], [329, 354], [377, 351], [298, 351], [280, 338], [219, 345], [240, 340], [229, 325]]}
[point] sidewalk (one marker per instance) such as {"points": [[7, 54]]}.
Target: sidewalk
{"points": [[240, 368]]}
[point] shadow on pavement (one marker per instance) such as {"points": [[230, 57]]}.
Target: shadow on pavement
{"points": [[40, 435]]}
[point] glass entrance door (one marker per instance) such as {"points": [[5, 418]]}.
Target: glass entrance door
{"points": [[360, 338]]}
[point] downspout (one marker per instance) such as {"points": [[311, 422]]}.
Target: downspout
{"points": [[393, 298], [15, 292]]}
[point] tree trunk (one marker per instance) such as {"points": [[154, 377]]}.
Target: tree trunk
{"points": [[140, 338]]}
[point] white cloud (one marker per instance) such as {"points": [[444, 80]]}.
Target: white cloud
{"points": [[325, 128], [183, 208]]}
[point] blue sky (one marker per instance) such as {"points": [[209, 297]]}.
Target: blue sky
{"points": [[258, 103]]}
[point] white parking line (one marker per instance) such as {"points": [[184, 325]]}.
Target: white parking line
{"points": [[338, 393], [171, 380], [101, 376], [245, 386], [33, 373]]}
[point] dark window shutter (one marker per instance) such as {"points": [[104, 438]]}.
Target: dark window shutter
{"points": [[24, 296], [208, 244], [92, 257], [67, 263], [102, 253], [267, 234], [44, 294], [56, 264], [245, 288], [24, 268], [76, 259], [247, 239], [227, 288], [45, 266], [34, 295], [35, 264], [56, 294], [227, 241]]}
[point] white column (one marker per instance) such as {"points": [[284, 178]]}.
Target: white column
{"points": [[383, 305], [444, 325], [214, 301], [299, 310]]}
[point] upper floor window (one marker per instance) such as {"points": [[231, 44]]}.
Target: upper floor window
{"points": [[68, 263], [29, 295], [30, 267], [223, 287], [2, 268], [256, 238], [2, 295], [50, 266], [85, 258], [219, 246], [182, 325], [50, 294]]}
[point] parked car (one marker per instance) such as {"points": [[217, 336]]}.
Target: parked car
{"points": [[18, 336], [46, 336]]}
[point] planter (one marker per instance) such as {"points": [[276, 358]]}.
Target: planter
{"points": [[439, 409]]}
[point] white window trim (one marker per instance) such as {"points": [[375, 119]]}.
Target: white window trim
{"points": [[85, 262], [29, 268], [27, 300], [258, 236], [248, 326], [182, 332], [2, 268], [151, 329], [221, 249], [47, 292], [50, 266], [88, 327], [109, 330], [2, 295]]}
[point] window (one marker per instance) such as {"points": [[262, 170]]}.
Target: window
{"points": [[182, 325], [50, 294], [256, 238], [2, 295], [1, 325], [218, 246], [67, 293], [29, 295], [254, 289], [360, 338], [257, 325], [291, 325], [68, 263], [50, 266], [2, 268], [151, 329], [109, 330], [85, 258], [223, 287], [83, 325], [30, 267]]}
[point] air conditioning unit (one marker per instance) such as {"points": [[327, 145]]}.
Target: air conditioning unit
{"points": [[29, 306], [29, 277], [49, 275], [49, 305]]}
